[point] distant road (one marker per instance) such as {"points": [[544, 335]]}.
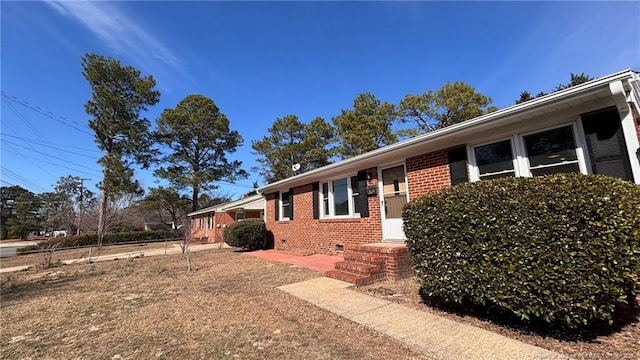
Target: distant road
{"points": [[10, 248]]}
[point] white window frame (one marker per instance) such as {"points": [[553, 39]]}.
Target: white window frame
{"points": [[280, 205], [526, 164], [240, 212], [350, 198], [475, 170], [520, 159]]}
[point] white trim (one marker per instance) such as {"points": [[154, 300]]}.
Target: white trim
{"points": [[474, 165], [581, 147], [521, 163], [280, 205], [383, 216], [330, 196], [628, 127]]}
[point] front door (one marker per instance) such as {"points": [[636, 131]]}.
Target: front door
{"points": [[394, 198]]}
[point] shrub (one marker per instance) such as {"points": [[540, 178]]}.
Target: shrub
{"points": [[563, 250], [92, 239], [249, 234]]}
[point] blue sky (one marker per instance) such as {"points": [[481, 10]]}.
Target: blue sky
{"points": [[262, 60]]}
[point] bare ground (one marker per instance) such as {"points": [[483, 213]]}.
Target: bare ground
{"points": [[623, 344], [227, 308]]}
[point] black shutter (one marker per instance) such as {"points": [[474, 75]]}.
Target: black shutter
{"points": [[316, 195], [276, 201], [363, 200], [290, 204], [458, 165], [605, 143]]}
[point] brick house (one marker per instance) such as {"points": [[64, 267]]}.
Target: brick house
{"points": [[208, 224], [356, 204]]}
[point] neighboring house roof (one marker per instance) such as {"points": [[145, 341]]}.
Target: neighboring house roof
{"points": [[253, 202], [447, 137]]}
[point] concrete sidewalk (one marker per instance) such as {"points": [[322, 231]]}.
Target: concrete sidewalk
{"points": [[436, 336], [172, 250]]}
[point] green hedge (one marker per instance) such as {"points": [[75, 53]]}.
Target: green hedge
{"points": [[561, 250], [92, 239], [249, 234]]}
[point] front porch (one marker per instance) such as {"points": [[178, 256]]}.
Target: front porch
{"points": [[367, 263]]}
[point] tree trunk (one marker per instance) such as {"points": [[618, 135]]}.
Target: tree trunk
{"points": [[102, 212], [194, 199]]}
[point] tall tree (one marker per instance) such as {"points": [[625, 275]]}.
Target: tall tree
{"points": [[198, 137], [25, 217], [366, 127], [576, 79], [291, 142], [8, 196], [119, 95], [71, 198], [168, 201], [452, 103]]}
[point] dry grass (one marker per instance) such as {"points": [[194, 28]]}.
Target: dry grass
{"points": [[59, 255], [228, 307], [623, 344]]}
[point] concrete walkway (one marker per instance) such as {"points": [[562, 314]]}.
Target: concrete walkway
{"points": [[436, 336], [172, 250]]}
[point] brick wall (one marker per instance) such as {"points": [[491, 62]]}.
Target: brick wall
{"points": [[427, 172], [304, 234]]}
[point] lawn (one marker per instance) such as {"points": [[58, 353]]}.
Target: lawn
{"points": [[227, 308]]}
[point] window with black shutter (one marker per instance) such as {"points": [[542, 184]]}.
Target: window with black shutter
{"points": [[458, 165], [287, 205], [606, 144]]}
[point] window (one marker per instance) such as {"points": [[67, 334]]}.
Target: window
{"points": [[340, 197], [552, 151], [543, 152], [287, 208], [325, 199], [494, 160], [201, 218], [210, 221], [355, 194], [239, 216]]}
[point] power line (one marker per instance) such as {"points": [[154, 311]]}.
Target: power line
{"points": [[68, 151], [41, 168], [61, 119], [52, 163], [22, 180], [28, 123], [60, 146], [51, 156]]}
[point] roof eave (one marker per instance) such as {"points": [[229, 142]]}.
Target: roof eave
{"points": [[529, 106]]}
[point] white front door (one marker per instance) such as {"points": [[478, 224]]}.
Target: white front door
{"points": [[393, 190]]}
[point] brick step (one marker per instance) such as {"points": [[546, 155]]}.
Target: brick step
{"points": [[363, 259], [358, 269], [357, 280]]}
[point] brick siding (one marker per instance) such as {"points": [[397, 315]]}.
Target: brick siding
{"points": [[427, 172], [304, 234]]}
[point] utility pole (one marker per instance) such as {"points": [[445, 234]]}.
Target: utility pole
{"points": [[82, 180]]}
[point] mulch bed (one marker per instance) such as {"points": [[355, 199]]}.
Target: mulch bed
{"points": [[622, 344]]}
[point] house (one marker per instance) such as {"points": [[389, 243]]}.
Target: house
{"points": [[208, 224], [592, 128]]}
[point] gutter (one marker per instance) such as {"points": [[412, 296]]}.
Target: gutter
{"points": [[531, 105]]}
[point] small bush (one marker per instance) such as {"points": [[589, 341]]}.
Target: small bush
{"points": [[92, 239], [561, 250], [248, 234]]}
